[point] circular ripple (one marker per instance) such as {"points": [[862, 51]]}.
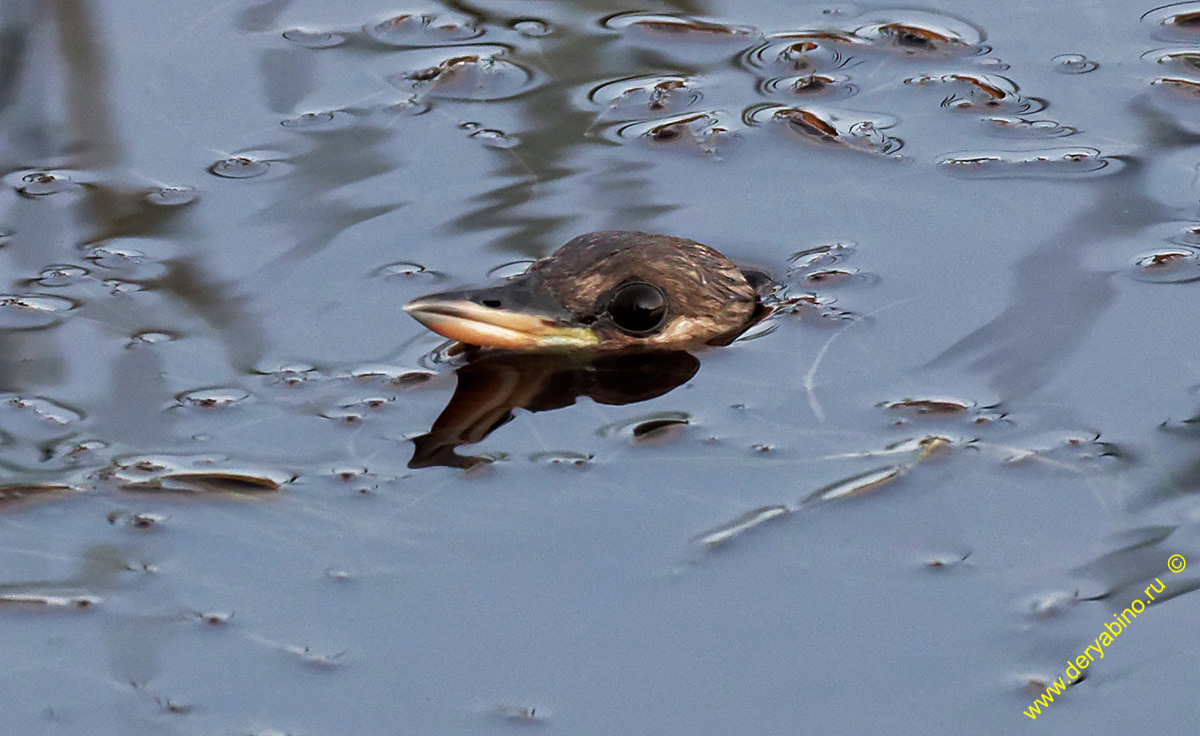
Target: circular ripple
{"points": [[510, 270], [788, 54], [646, 425], [44, 183], [61, 274], [1170, 265], [413, 30], [239, 167], [213, 398], [826, 86], [821, 257], [849, 128], [1175, 22], [703, 130], [980, 93], [407, 270], [1183, 86], [112, 257], [32, 311], [633, 97], [1073, 64], [1183, 60], [477, 77], [1017, 127]]}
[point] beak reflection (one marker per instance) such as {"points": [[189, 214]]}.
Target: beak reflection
{"points": [[492, 386]]}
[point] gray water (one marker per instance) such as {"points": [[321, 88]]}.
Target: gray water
{"points": [[903, 504]]}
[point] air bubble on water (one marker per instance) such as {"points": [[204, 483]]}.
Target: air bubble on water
{"points": [[239, 167], [531, 27], [32, 311], [61, 274], [493, 138], [314, 39], [1073, 64], [151, 337], [41, 184], [170, 196], [319, 122], [563, 457], [213, 398]]}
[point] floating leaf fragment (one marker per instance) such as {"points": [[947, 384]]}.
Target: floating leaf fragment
{"points": [[745, 522]]}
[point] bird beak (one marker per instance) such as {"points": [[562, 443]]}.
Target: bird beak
{"points": [[461, 316]]}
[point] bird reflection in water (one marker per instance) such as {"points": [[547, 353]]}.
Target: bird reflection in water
{"points": [[492, 386], [607, 316]]}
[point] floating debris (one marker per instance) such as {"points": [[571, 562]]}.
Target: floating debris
{"points": [[742, 524], [980, 92], [314, 39], [475, 77], [520, 714], [50, 601], [656, 428], [635, 97], [214, 618], [929, 407], [192, 474], [701, 131], [648, 423], [1046, 163], [855, 485], [1018, 127], [843, 128], [15, 494], [33, 311], [419, 30], [1170, 265], [677, 25], [239, 167], [141, 520], [213, 398]]}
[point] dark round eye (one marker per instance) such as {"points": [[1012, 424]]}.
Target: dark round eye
{"points": [[638, 308]]}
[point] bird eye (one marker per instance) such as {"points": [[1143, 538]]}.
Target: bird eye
{"points": [[638, 308]]}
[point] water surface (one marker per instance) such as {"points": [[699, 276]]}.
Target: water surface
{"points": [[911, 498]]}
